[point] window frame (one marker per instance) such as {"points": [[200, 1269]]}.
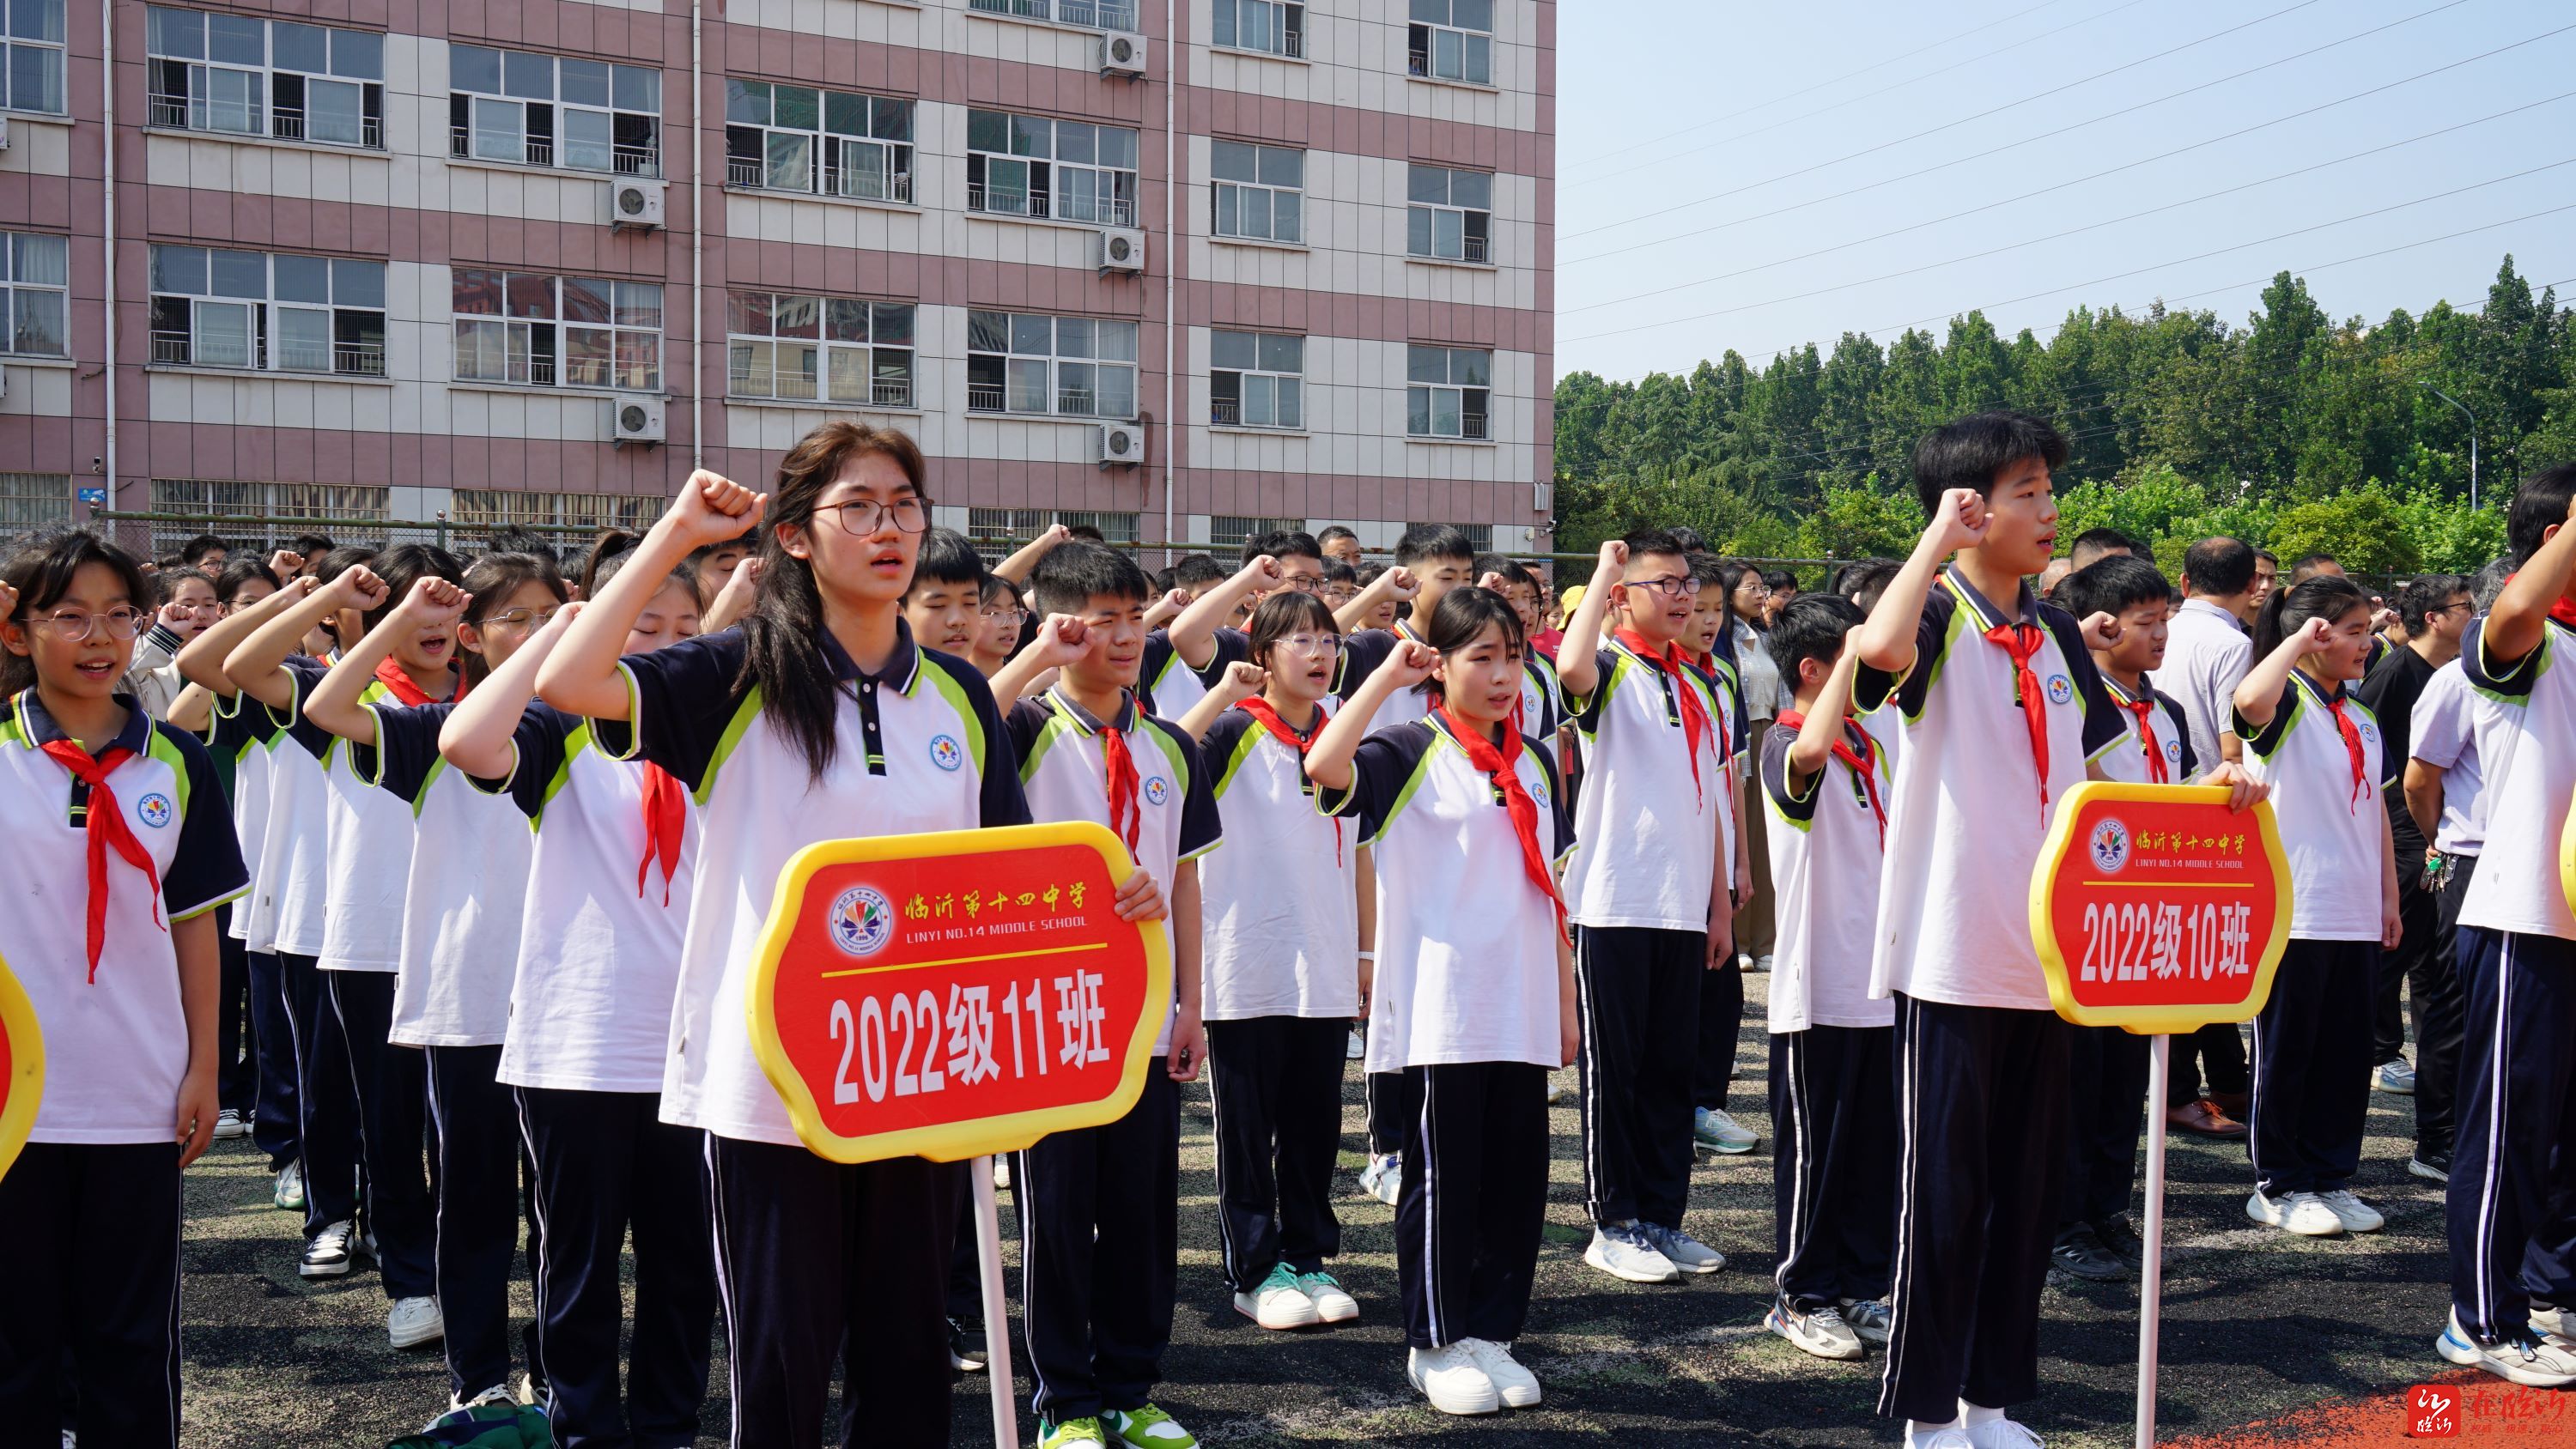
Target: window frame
{"points": [[1227, 195], [1112, 194], [883, 389], [30, 501], [998, 388], [1429, 391], [14, 247], [223, 505], [1014, 526], [499, 508], [535, 349], [465, 103], [1087, 14], [266, 317], [1284, 23], [1425, 37], [48, 52], [828, 152], [1282, 398], [1422, 215], [193, 105]]}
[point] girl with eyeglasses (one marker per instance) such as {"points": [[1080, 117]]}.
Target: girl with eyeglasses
{"points": [[1281, 968], [117, 823], [187, 603], [459, 933]]}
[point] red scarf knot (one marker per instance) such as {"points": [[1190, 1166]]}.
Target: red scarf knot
{"points": [[2351, 733], [1863, 761], [1669, 662], [666, 823], [1499, 762], [1278, 729], [2144, 707], [398, 683], [2022, 642], [104, 825]]}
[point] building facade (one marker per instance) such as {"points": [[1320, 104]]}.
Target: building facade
{"points": [[1178, 268]]}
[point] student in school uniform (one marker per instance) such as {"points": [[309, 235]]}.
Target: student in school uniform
{"points": [[1542, 698], [1824, 781], [2512, 1204], [1474, 1007], [1711, 645], [257, 1070], [119, 822], [1280, 968], [597, 963], [945, 606], [1649, 889], [2107, 1067], [1004, 608], [1098, 1207], [2004, 712], [368, 836], [2319, 750], [817, 712], [460, 938]]}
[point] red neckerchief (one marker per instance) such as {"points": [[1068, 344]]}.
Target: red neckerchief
{"points": [[105, 826], [1278, 729], [666, 822], [1864, 763], [1669, 661], [2022, 642], [1498, 761], [2144, 707], [1124, 816], [398, 682], [2351, 743]]}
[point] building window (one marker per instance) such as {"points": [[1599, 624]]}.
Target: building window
{"points": [[536, 110], [498, 508], [256, 515], [1480, 535], [281, 313], [1452, 213], [244, 76], [1452, 40], [1032, 166], [35, 500], [33, 74], [1448, 391], [1070, 366], [34, 303], [1267, 26], [1227, 530], [1256, 380], [557, 331], [1260, 191], [1095, 14], [833, 349], [1016, 526], [828, 143]]}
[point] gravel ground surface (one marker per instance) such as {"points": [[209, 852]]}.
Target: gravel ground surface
{"points": [[2258, 1325]]}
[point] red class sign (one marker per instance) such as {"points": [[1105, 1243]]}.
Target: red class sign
{"points": [[956, 994], [2158, 909]]}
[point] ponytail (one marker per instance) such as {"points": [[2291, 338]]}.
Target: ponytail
{"points": [[2325, 596]]}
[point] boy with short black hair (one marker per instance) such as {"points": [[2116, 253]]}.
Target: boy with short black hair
{"points": [[1196, 573], [1340, 545], [945, 604], [1430, 560], [1099, 1205], [1181, 662]]}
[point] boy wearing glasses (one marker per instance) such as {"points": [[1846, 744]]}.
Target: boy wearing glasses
{"points": [[1205, 638], [1648, 892]]}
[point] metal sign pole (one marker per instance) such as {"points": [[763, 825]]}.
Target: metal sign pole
{"points": [[997, 1320], [2151, 1281]]}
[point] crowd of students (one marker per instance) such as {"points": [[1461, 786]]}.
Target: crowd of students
{"points": [[442, 882]]}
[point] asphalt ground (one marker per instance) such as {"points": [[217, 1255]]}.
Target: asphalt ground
{"points": [[2259, 1327]]}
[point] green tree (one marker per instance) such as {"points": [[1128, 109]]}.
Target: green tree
{"points": [[2363, 528]]}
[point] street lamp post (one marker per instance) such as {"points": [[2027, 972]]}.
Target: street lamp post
{"points": [[2473, 439]]}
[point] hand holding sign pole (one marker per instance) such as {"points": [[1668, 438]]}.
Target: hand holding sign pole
{"points": [[2158, 910], [957, 995]]}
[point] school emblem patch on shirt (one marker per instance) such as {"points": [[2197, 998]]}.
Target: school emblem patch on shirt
{"points": [[1157, 790], [2110, 846], [155, 809], [945, 752], [862, 921], [2060, 689]]}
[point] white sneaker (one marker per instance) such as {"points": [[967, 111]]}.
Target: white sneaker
{"points": [[1682, 1250], [229, 1123], [331, 1252], [1450, 1379], [1870, 1318], [1279, 1302], [1622, 1250], [1946, 1439], [1517, 1386], [2395, 1077], [289, 1193], [1001, 1172], [1358, 1048], [1715, 1131], [498, 1394], [2558, 1323], [1822, 1333], [1383, 1178], [2355, 1215], [415, 1321], [2002, 1434], [1333, 1303], [2298, 1212], [1762, 963], [1558, 1094], [2530, 1359]]}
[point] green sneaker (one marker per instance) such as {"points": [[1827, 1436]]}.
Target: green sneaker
{"points": [[1083, 1433], [1148, 1428]]}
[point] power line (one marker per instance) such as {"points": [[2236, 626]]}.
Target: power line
{"points": [[1820, 85], [2008, 146], [2025, 196]]}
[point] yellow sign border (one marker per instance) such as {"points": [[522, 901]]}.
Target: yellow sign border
{"points": [[2567, 859], [953, 1141], [26, 1068], [2150, 1020]]}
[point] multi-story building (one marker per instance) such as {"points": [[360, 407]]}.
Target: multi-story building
{"points": [[1176, 268]]}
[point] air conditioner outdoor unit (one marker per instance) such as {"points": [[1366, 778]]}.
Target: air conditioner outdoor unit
{"points": [[1122, 53], [636, 420], [636, 203], [1122, 249], [1122, 445]]}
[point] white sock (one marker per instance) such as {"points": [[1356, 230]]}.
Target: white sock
{"points": [[1976, 1416], [1919, 1432]]}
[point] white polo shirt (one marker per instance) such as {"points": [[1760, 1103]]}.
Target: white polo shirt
{"points": [[294, 852], [2454, 728], [2206, 656], [921, 749], [1169, 686], [1542, 698], [1466, 943], [1648, 837], [2530, 775], [116, 1043], [599, 956], [2127, 762], [370, 840], [1064, 770], [461, 914], [244, 736], [1279, 908], [1825, 861], [1965, 825], [2331, 832], [1362, 653]]}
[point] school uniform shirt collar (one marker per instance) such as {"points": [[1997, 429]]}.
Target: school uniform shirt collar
{"points": [[2025, 604], [902, 668], [1089, 723], [36, 728]]}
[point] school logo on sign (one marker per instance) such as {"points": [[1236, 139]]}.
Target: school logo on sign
{"points": [[2060, 689], [945, 752], [2109, 846], [155, 809], [862, 921], [1157, 790]]}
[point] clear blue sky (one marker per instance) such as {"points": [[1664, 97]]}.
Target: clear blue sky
{"points": [[1674, 103]]}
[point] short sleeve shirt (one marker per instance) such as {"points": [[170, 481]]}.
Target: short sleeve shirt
{"points": [[1827, 846], [2530, 775], [2327, 809], [1279, 906], [2206, 656], [463, 904], [1657, 810], [2161, 733], [2453, 725]]}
